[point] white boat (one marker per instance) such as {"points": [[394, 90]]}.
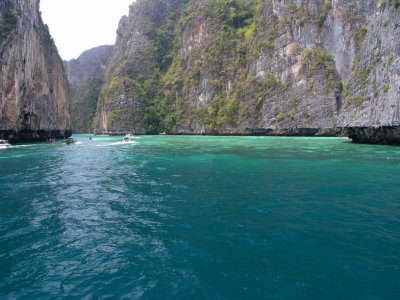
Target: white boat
{"points": [[4, 144]]}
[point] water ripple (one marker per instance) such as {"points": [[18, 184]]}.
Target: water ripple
{"points": [[200, 218]]}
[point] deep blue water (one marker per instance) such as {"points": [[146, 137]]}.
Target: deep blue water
{"points": [[200, 218]]}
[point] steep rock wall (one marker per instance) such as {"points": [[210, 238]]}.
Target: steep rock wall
{"points": [[33, 85], [129, 100], [239, 67]]}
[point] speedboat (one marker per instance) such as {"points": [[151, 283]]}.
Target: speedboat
{"points": [[4, 144], [127, 138]]}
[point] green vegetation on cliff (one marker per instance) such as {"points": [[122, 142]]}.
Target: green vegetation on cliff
{"points": [[83, 105], [133, 97], [8, 18], [232, 26], [224, 66]]}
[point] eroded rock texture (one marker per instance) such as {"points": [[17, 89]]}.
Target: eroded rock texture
{"points": [[237, 67], [33, 86]]}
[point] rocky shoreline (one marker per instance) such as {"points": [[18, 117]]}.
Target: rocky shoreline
{"points": [[383, 135], [322, 132], [33, 135], [317, 132]]}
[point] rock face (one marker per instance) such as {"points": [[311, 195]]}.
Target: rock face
{"points": [[131, 97], [33, 85], [240, 67], [85, 75], [387, 135]]}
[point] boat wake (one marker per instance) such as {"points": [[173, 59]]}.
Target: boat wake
{"points": [[125, 143]]}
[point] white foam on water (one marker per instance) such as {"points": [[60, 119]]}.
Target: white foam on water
{"points": [[117, 144], [21, 146], [125, 143]]}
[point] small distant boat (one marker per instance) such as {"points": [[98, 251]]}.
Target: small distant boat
{"points": [[127, 138], [4, 144], [69, 141]]}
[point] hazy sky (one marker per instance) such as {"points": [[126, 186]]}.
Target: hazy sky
{"points": [[78, 25]]}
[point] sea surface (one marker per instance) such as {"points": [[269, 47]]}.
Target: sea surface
{"points": [[167, 217]]}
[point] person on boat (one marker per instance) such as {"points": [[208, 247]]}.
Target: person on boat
{"points": [[127, 137]]}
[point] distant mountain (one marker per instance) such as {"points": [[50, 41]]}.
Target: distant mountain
{"points": [[33, 85], [85, 75]]}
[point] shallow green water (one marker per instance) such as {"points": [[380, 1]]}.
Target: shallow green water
{"points": [[200, 218]]}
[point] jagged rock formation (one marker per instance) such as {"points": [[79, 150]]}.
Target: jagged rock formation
{"points": [[131, 96], [240, 67], [388, 135], [85, 75], [33, 86]]}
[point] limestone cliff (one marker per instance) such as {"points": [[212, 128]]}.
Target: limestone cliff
{"points": [[253, 67], [85, 75], [33, 85], [131, 96]]}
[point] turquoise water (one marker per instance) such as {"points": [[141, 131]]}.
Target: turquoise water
{"points": [[200, 218]]}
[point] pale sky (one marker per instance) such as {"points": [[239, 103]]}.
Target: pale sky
{"points": [[78, 25]]}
